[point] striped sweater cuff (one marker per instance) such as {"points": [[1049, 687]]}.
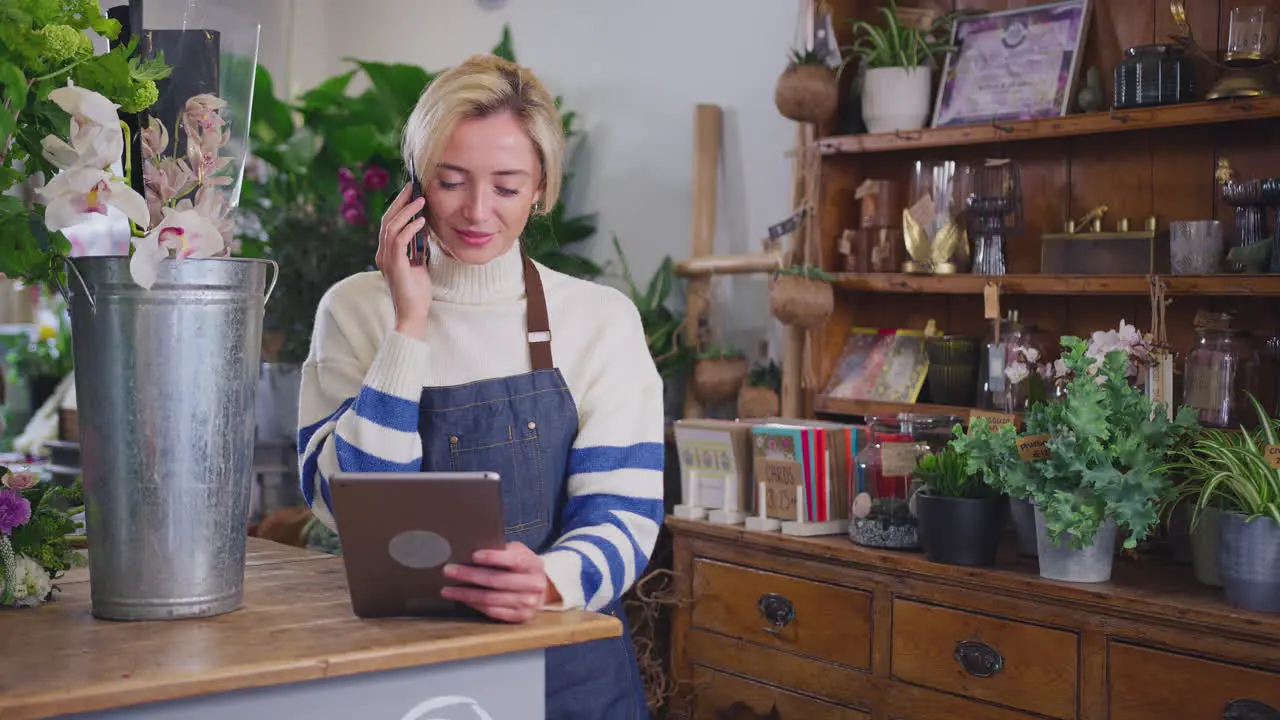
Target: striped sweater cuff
{"points": [[398, 366], [563, 568]]}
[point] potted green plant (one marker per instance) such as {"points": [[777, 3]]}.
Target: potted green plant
{"points": [[719, 373], [960, 515], [1094, 462], [801, 295], [1237, 472], [760, 395], [807, 90], [898, 61]]}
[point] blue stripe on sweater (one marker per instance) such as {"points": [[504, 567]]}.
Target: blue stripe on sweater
{"points": [[353, 459], [308, 432], [592, 578], [607, 458], [387, 410], [586, 511]]}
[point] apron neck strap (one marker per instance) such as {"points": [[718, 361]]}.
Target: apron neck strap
{"points": [[539, 324]]}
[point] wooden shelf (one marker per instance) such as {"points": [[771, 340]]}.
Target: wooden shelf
{"points": [[842, 407], [965, 284], [1200, 113]]}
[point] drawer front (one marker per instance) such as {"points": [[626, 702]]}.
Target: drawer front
{"points": [[811, 618], [729, 697], [1148, 684], [1013, 664]]}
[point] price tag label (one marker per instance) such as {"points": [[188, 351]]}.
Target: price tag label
{"points": [[1271, 453], [1033, 448], [994, 419], [990, 301]]}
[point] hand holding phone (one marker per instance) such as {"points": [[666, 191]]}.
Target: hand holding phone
{"points": [[419, 250]]}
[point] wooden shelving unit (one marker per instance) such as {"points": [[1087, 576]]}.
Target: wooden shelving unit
{"points": [[849, 408], [1219, 285], [1173, 116], [1153, 162]]}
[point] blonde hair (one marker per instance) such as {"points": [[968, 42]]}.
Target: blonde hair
{"points": [[486, 85]]}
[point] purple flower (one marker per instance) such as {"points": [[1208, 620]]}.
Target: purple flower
{"points": [[15, 511], [346, 178], [353, 214], [351, 196], [376, 178]]}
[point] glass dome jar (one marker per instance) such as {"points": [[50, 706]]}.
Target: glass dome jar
{"points": [[882, 513], [1220, 369]]}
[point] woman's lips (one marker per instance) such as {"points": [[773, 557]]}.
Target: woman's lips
{"points": [[471, 237]]}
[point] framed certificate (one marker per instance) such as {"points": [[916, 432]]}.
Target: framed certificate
{"points": [[1017, 64]]}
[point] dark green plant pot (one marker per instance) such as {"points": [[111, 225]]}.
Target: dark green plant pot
{"points": [[1249, 562], [961, 531]]}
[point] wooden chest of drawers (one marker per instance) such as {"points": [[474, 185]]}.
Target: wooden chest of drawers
{"points": [[820, 628]]}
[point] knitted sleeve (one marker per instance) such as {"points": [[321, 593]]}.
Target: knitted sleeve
{"points": [[614, 509], [358, 410]]}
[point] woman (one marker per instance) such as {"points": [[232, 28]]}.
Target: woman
{"points": [[485, 360]]}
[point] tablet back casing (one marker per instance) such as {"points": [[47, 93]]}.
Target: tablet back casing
{"points": [[398, 530]]}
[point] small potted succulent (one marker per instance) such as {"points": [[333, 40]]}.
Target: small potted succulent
{"points": [[759, 397], [807, 90], [960, 515], [802, 296], [898, 61], [1238, 473], [719, 373]]}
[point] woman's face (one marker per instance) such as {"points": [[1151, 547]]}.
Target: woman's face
{"points": [[485, 184]]}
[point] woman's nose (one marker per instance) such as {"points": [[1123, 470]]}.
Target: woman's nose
{"points": [[477, 205]]}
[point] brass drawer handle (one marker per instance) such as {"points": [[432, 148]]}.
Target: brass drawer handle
{"points": [[978, 659], [776, 610], [1249, 710]]}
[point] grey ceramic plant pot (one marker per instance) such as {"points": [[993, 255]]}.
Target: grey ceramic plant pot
{"points": [[1204, 547], [1024, 524], [1249, 559], [1060, 561]]}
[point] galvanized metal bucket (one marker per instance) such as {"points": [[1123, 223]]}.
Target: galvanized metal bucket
{"points": [[165, 386]]}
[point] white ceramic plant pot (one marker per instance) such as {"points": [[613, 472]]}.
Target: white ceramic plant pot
{"points": [[896, 98]]}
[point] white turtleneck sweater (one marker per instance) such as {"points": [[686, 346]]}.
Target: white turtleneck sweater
{"points": [[362, 382]]}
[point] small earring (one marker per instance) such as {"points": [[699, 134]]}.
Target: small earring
{"points": [[537, 207]]}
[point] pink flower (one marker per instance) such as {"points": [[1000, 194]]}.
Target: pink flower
{"points": [[346, 179], [351, 196], [376, 178], [19, 481], [15, 511], [353, 214]]}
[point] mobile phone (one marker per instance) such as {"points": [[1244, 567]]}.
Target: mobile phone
{"points": [[419, 251]]}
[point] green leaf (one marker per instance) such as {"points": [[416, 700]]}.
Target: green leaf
{"points": [[327, 93], [504, 49], [397, 86], [272, 121]]}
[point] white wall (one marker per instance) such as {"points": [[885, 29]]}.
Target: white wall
{"points": [[633, 71]]}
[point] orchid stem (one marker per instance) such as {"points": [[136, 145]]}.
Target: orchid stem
{"points": [[56, 73]]}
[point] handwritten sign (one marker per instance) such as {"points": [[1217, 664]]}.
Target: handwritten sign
{"points": [[781, 478], [994, 419], [1271, 453], [1033, 447]]}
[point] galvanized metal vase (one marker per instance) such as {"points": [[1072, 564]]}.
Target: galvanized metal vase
{"points": [[165, 386]]}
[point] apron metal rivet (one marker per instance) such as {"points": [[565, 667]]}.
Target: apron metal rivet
{"points": [[532, 424], [453, 439]]}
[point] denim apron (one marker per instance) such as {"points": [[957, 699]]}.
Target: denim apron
{"points": [[523, 427]]}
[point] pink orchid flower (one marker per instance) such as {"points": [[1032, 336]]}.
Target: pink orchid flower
{"points": [[186, 232], [96, 139], [84, 190]]}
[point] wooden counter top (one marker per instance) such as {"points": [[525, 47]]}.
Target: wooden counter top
{"points": [[296, 624]]}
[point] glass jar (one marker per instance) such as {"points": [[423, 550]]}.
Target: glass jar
{"points": [[1220, 369], [1154, 75], [883, 510]]}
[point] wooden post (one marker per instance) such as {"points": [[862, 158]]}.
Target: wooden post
{"points": [[793, 351], [706, 167]]}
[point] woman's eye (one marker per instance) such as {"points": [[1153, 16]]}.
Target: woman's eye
{"points": [[450, 185], [507, 192]]}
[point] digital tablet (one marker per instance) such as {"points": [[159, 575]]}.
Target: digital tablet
{"points": [[399, 529]]}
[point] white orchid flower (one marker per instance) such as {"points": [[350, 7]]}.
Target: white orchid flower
{"points": [[187, 232], [80, 191], [96, 138]]}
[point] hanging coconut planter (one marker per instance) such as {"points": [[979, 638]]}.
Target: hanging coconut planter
{"points": [[802, 296], [759, 396], [807, 91], [718, 375]]}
